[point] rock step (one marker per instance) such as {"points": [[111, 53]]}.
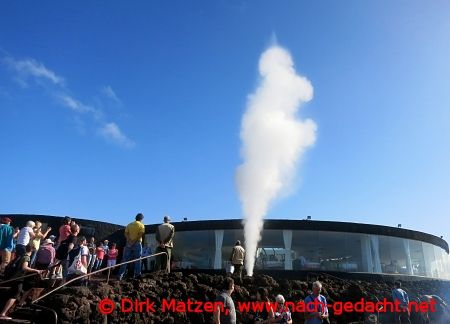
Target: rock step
{"points": [[26, 315]]}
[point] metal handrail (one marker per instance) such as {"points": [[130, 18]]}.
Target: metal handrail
{"points": [[98, 271], [28, 275], [55, 315], [18, 278]]}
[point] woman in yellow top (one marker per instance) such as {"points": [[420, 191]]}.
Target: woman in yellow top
{"points": [[39, 235]]}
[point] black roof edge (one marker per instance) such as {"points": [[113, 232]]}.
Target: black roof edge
{"points": [[42, 216]]}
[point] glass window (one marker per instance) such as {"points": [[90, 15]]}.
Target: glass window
{"points": [[328, 251], [229, 240], [417, 258], [440, 262], [271, 253], [193, 250], [338, 251], [314, 250], [446, 265], [430, 260], [393, 255], [307, 254]]}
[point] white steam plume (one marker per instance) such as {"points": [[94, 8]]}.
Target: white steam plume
{"points": [[273, 141]]}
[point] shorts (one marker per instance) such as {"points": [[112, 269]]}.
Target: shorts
{"points": [[16, 290]]}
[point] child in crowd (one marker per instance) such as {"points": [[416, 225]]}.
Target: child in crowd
{"points": [[100, 253], [112, 255]]}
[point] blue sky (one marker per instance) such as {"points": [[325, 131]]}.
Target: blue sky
{"points": [[108, 109]]}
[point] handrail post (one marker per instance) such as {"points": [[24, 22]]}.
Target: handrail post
{"points": [[109, 274]]}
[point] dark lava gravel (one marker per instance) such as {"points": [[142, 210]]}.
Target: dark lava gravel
{"points": [[81, 304]]}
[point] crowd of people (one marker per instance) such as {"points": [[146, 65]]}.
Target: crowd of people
{"points": [[60, 257], [272, 312], [68, 255]]}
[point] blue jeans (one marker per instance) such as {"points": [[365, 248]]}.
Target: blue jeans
{"points": [[33, 258], [91, 263], [97, 265], [129, 253]]}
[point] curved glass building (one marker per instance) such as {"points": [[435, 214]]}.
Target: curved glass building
{"points": [[312, 245]]}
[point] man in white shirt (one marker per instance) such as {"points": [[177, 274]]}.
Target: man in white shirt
{"points": [[237, 259], [26, 234]]}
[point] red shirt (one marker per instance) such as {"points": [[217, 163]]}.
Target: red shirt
{"points": [[64, 232], [112, 254], [100, 253]]}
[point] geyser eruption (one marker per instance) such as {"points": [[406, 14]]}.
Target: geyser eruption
{"points": [[273, 140]]}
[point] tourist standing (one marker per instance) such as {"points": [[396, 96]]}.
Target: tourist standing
{"points": [[64, 231], [80, 250], [38, 236], [228, 315], [237, 259], [133, 248], [92, 254], [26, 234], [100, 254], [282, 313], [106, 249], [65, 247], [112, 255], [316, 312], [398, 294], [45, 256], [164, 237]]}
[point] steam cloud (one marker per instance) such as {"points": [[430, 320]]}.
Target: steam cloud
{"points": [[273, 141]]}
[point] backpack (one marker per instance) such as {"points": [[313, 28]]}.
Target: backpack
{"points": [[77, 266], [12, 268]]}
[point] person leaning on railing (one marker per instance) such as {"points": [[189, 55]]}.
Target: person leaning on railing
{"points": [[22, 268], [133, 249]]}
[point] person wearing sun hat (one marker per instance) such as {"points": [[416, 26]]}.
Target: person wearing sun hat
{"points": [[45, 256], [6, 242]]}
